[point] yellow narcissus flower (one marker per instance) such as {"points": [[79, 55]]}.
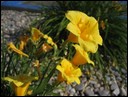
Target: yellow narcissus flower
{"points": [[20, 83], [80, 57], [36, 34], [12, 47], [68, 72], [84, 30], [23, 42]]}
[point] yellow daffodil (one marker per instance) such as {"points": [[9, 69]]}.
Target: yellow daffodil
{"points": [[68, 72], [20, 83], [36, 34], [12, 47], [23, 42], [84, 30], [80, 57]]}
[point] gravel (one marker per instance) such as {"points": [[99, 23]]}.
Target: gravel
{"points": [[13, 21]]}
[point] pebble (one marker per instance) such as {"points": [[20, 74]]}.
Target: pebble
{"points": [[72, 91], [93, 82], [101, 88], [116, 92], [103, 93], [114, 85], [68, 88], [79, 87], [123, 92], [89, 92], [97, 85], [123, 71]]}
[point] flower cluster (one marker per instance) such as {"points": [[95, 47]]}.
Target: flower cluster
{"points": [[84, 32], [21, 82], [84, 37]]}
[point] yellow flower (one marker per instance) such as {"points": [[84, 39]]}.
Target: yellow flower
{"points": [[23, 42], [84, 30], [20, 83], [12, 46], [36, 34], [68, 72], [80, 57]]}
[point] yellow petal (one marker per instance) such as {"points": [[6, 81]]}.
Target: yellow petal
{"points": [[59, 68], [23, 42], [88, 45], [80, 57], [94, 31], [77, 80], [72, 38], [12, 46], [77, 72], [36, 34], [73, 29], [11, 79], [76, 16], [22, 90]]}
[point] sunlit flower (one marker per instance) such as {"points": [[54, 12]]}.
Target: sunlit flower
{"points": [[68, 72], [36, 34], [20, 83], [80, 57], [23, 42], [12, 47], [84, 30]]}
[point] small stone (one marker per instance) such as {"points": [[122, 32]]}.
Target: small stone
{"points": [[123, 92], [116, 74], [84, 80], [107, 78], [93, 82], [116, 92], [72, 91], [119, 78], [61, 94], [82, 94], [99, 75], [110, 82], [101, 88], [89, 92], [103, 93], [68, 88], [96, 90], [124, 71], [97, 85], [79, 87], [114, 86]]}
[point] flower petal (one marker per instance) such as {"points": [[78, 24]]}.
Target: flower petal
{"points": [[73, 29], [88, 45]]}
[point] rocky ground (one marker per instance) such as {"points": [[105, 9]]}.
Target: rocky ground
{"points": [[116, 82]]}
